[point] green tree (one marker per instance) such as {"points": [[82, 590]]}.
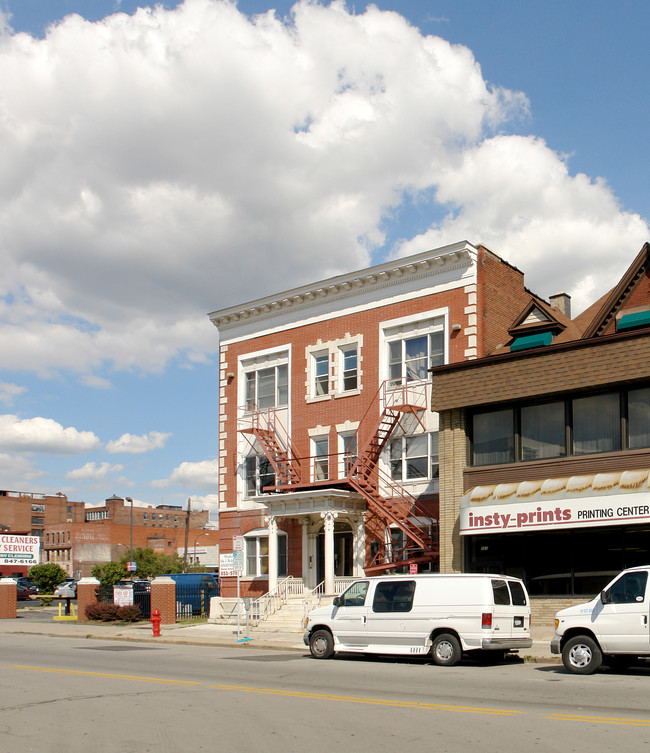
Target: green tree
{"points": [[150, 564], [47, 577], [109, 573]]}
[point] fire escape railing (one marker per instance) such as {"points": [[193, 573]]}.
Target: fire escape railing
{"points": [[388, 502]]}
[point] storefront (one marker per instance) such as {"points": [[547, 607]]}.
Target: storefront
{"points": [[563, 536]]}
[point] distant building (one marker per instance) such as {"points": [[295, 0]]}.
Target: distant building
{"points": [[77, 536]]}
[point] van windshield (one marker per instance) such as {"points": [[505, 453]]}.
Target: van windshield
{"points": [[355, 596]]}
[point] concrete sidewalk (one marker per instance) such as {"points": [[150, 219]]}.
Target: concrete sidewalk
{"points": [[39, 621]]}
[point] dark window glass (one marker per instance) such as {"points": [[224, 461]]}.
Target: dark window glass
{"points": [[517, 593], [638, 412], [500, 591], [355, 596], [493, 437], [596, 424], [628, 589], [543, 432], [321, 374], [394, 596], [350, 369]]}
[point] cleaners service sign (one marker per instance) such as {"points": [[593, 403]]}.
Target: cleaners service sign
{"points": [[606, 510], [19, 550]]}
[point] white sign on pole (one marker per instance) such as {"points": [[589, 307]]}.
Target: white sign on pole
{"points": [[238, 544], [231, 564]]}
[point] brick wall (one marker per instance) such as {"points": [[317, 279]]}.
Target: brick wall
{"points": [[453, 458]]}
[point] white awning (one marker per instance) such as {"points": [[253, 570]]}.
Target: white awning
{"points": [[604, 499]]}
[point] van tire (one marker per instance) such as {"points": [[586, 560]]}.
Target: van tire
{"points": [[321, 644], [581, 655], [445, 650]]}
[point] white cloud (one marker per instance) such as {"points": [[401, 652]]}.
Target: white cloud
{"points": [[8, 392], [17, 472], [206, 502], [132, 444], [94, 472], [558, 229], [44, 435], [101, 383], [310, 134], [203, 474]]}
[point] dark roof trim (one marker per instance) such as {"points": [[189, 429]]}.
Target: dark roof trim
{"points": [[535, 352]]}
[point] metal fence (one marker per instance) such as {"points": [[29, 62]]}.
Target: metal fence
{"points": [[193, 601]]}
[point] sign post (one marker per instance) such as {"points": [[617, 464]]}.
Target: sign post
{"points": [[232, 565]]}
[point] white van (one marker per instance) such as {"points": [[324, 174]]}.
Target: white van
{"points": [[417, 614], [612, 627]]}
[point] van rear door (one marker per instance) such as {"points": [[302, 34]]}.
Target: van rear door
{"points": [[510, 616]]}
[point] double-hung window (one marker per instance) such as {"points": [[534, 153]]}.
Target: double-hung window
{"points": [[257, 555], [267, 388], [321, 374], [410, 358], [258, 473], [414, 457], [349, 368], [320, 457]]}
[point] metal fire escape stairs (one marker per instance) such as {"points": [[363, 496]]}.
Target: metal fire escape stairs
{"points": [[388, 502]]}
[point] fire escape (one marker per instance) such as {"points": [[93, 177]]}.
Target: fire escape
{"points": [[388, 503]]}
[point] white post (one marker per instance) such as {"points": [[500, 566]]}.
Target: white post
{"points": [[359, 548], [329, 518], [273, 553], [306, 575]]}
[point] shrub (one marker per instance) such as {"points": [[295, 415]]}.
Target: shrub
{"points": [[112, 613]]}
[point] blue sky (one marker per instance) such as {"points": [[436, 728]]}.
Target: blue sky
{"points": [[155, 161]]}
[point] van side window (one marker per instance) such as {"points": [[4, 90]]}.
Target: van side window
{"points": [[394, 597], [517, 593], [629, 588], [355, 596], [500, 591]]}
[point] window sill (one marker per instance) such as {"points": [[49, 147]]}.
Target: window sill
{"points": [[348, 393], [319, 399]]}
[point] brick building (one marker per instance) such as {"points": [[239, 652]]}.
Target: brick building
{"points": [[545, 448], [328, 449], [102, 534]]}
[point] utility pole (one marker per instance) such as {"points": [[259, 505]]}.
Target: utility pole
{"points": [[187, 533]]}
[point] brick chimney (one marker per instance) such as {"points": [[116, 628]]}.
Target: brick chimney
{"points": [[561, 301]]}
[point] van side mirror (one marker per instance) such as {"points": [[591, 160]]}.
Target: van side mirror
{"points": [[336, 601], [604, 596]]}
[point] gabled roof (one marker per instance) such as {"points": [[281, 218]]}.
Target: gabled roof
{"points": [[604, 310], [539, 316]]}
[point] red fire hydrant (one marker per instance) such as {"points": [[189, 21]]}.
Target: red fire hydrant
{"points": [[155, 621]]}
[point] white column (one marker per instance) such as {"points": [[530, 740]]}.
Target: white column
{"points": [[305, 553], [359, 548], [273, 553], [329, 518]]}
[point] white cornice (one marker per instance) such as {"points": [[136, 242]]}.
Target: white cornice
{"points": [[418, 267]]}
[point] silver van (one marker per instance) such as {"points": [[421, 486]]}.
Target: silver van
{"points": [[443, 615]]}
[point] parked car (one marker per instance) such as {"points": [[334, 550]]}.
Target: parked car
{"points": [[24, 582], [25, 592], [67, 589]]}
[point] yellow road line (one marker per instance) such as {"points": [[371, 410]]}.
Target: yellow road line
{"points": [[599, 720], [371, 701], [102, 674]]}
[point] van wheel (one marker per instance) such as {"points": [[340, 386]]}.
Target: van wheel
{"points": [[321, 644], [445, 650], [581, 655]]}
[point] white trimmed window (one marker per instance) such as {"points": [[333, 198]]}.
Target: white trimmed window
{"points": [[320, 458], [258, 473], [257, 553], [414, 458], [267, 387], [320, 370], [348, 368]]}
